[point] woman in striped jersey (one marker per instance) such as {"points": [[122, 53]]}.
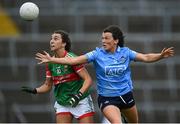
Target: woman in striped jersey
{"points": [[71, 84]]}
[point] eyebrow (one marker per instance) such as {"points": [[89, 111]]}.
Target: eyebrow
{"points": [[55, 36], [106, 36]]}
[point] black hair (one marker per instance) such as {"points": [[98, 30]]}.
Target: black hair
{"points": [[116, 34], [65, 39]]}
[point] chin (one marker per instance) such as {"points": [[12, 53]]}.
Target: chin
{"points": [[52, 49], [105, 48]]}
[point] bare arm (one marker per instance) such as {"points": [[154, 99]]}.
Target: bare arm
{"points": [[47, 86], [83, 73], [45, 58], [153, 57]]}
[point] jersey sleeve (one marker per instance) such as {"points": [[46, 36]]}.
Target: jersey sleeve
{"points": [[91, 56], [132, 54], [77, 68], [48, 72]]}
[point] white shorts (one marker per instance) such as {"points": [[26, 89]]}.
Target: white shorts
{"points": [[83, 109]]}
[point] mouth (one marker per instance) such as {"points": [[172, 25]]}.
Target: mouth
{"points": [[52, 46], [104, 45]]}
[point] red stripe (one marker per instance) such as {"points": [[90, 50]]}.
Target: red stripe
{"points": [[63, 113], [65, 78], [65, 53], [87, 115]]}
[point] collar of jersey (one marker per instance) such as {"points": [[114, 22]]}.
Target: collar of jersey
{"points": [[117, 50], [65, 53]]}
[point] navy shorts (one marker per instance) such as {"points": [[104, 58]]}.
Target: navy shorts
{"points": [[122, 102]]}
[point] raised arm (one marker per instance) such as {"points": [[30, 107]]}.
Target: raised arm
{"points": [[153, 57], [45, 58]]}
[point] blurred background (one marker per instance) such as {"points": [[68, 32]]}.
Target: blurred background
{"points": [[148, 26]]}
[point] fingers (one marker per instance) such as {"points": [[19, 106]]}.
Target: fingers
{"points": [[46, 53], [73, 102], [41, 62], [167, 52], [24, 88], [38, 58], [170, 50], [163, 50], [40, 55], [43, 58]]}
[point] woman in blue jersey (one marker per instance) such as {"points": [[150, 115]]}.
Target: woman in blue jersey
{"points": [[111, 63]]}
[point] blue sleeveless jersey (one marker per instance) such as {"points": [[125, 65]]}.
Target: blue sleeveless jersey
{"points": [[112, 70]]}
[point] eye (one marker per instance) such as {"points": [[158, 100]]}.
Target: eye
{"points": [[107, 38], [55, 38]]}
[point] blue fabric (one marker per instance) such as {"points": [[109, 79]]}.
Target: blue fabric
{"points": [[112, 70]]}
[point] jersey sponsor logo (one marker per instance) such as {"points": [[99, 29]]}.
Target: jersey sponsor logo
{"points": [[58, 70], [115, 70], [123, 59]]}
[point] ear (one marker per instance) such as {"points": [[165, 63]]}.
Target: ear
{"points": [[116, 41], [64, 44]]}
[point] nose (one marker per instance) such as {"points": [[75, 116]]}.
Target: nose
{"points": [[51, 41], [103, 40]]}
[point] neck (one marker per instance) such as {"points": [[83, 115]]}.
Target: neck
{"points": [[113, 50], [60, 53]]}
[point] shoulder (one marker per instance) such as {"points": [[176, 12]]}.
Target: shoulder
{"points": [[49, 65], [95, 51], [70, 54], [98, 49], [125, 48]]}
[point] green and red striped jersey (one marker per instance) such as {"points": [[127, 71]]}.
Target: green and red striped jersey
{"points": [[65, 79]]}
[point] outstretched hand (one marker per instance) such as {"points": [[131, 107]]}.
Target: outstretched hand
{"points": [[29, 90], [167, 52], [43, 58]]}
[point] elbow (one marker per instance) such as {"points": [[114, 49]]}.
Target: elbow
{"points": [[49, 89], [89, 80], [146, 59]]}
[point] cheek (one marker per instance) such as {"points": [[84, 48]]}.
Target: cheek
{"points": [[58, 44], [110, 43]]}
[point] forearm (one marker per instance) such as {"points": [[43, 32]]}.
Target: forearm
{"points": [[44, 88], [153, 57], [66, 60], [86, 86], [69, 60]]}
